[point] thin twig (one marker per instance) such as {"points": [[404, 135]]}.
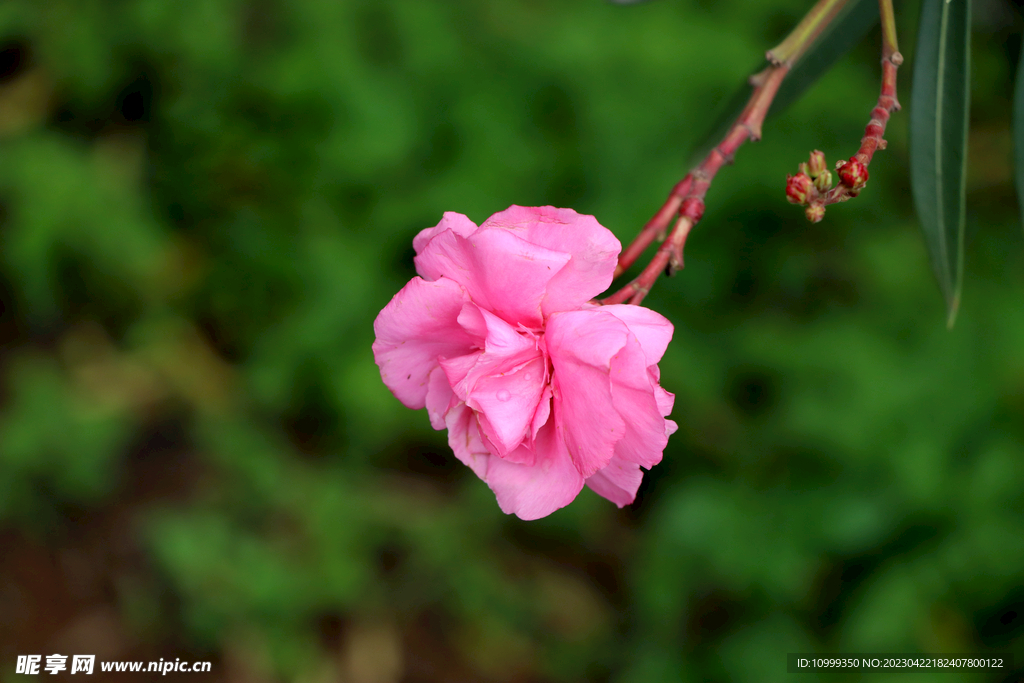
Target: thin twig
{"points": [[873, 139], [655, 228]]}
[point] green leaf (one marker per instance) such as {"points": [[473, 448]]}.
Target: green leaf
{"points": [[1018, 133], [939, 108], [847, 29]]}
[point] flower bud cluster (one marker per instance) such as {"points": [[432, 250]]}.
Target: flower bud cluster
{"points": [[809, 186], [812, 186]]}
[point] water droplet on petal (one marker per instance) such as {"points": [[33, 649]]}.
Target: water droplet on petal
{"points": [[504, 395], [527, 377]]}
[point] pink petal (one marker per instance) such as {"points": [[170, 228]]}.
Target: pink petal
{"points": [[457, 371], [509, 402], [665, 401], [590, 335], [503, 383], [633, 395], [540, 417], [522, 454], [532, 492], [474, 322], [618, 481], [456, 222], [418, 326], [465, 440], [501, 272], [581, 345], [503, 346], [439, 397], [594, 250], [501, 340], [651, 329]]}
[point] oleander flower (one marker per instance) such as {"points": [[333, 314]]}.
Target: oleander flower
{"points": [[541, 390]]}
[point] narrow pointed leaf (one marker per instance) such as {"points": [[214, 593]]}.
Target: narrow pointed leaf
{"points": [[845, 31], [1018, 133], [939, 110]]}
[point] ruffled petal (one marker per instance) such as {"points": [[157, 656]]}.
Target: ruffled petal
{"points": [[633, 395], [457, 371], [651, 329], [581, 345], [473, 321], [532, 492], [439, 397], [456, 222], [504, 383], [618, 481], [501, 272], [593, 248], [665, 402], [509, 402], [501, 349], [501, 340], [465, 440], [417, 327], [540, 417]]}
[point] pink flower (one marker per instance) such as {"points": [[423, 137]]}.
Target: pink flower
{"points": [[541, 390]]}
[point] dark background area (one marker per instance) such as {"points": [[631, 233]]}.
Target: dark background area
{"points": [[205, 203]]}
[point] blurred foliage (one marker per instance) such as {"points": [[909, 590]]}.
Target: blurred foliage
{"points": [[206, 202]]}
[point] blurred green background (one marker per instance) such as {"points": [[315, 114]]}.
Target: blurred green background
{"points": [[205, 203]]}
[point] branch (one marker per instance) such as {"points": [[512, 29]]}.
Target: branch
{"points": [[687, 198], [812, 187]]}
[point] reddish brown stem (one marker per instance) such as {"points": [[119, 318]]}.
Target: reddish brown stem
{"points": [[688, 196], [655, 228], [873, 139]]}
